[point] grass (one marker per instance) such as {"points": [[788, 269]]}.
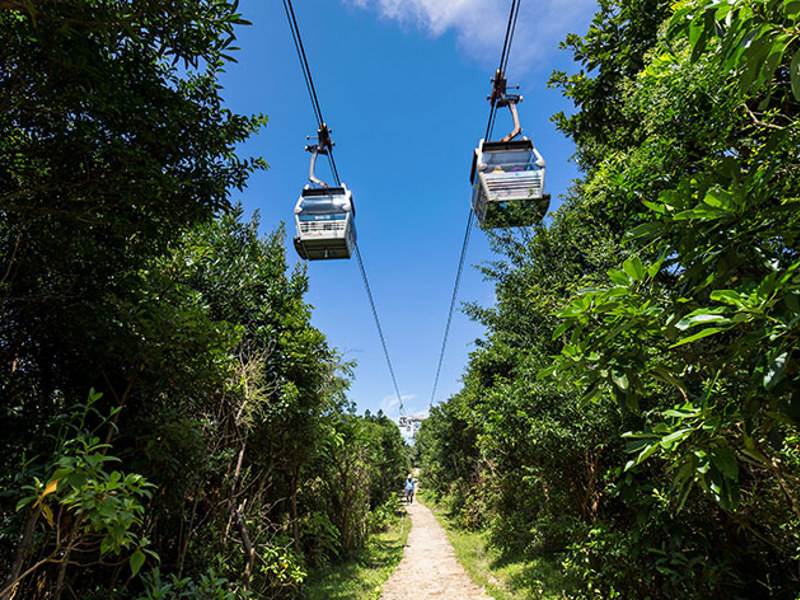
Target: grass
{"points": [[363, 577], [503, 578]]}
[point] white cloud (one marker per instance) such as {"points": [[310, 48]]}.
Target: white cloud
{"points": [[480, 25], [390, 405]]}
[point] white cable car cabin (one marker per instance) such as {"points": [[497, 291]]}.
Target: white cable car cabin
{"points": [[508, 184], [325, 223]]}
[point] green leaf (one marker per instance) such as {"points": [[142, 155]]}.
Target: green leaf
{"points": [[559, 330], [676, 437], [137, 560], [726, 463], [697, 336], [680, 414], [794, 71], [719, 198], [634, 269], [701, 316], [643, 230], [643, 456], [619, 277], [775, 370], [621, 381], [792, 9], [755, 455], [659, 208], [547, 372], [661, 373], [653, 269], [731, 297], [24, 502]]}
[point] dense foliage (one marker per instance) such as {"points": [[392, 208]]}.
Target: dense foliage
{"points": [[173, 425], [633, 412]]}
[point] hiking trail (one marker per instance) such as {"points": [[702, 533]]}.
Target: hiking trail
{"points": [[429, 568]]}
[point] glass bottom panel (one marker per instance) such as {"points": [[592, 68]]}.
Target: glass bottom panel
{"points": [[516, 213]]}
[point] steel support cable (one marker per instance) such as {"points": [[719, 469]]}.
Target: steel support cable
{"points": [[378, 325], [301, 54], [504, 55], [510, 34], [452, 303], [312, 90]]}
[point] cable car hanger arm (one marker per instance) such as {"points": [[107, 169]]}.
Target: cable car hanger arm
{"points": [[500, 97], [323, 146]]}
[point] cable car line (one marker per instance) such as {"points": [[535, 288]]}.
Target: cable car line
{"points": [[380, 329], [497, 98], [504, 56], [452, 304], [312, 91], [324, 215], [301, 54]]}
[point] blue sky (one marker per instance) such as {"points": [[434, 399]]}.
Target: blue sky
{"points": [[403, 85]]}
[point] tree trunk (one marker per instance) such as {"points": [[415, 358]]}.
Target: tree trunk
{"points": [[250, 551], [22, 552]]}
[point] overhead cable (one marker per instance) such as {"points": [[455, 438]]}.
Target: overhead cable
{"points": [[452, 303], [511, 28], [380, 329], [312, 92], [504, 56]]}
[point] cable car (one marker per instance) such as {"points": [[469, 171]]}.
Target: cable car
{"points": [[324, 215], [403, 422], [507, 177], [508, 184], [325, 223]]}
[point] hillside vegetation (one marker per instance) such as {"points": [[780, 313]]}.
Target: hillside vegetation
{"points": [[632, 414]]}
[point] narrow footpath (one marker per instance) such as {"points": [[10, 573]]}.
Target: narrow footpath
{"points": [[429, 568]]}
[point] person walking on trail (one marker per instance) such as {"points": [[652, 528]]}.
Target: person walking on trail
{"points": [[409, 488]]}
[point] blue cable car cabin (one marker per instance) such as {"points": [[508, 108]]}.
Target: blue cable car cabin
{"points": [[508, 184], [325, 223]]}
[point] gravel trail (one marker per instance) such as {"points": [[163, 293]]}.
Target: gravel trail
{"points": [[429, 568]]}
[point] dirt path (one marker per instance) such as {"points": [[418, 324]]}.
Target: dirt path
{"points": [[429, 568]]}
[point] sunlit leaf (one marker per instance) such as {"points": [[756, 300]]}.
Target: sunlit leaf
{"points": [[728, 296], [777, 367], [675, 438], [633, 268], [697, 336], [621, 381], [701, 317], [51, 487]]}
